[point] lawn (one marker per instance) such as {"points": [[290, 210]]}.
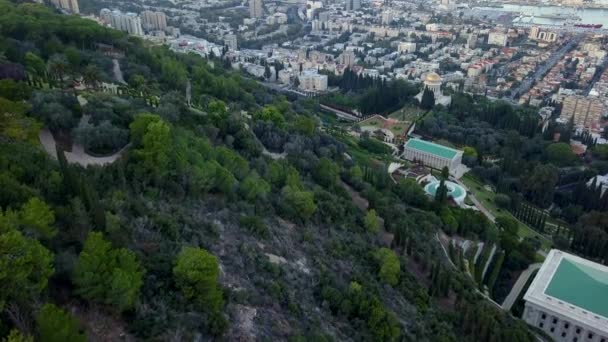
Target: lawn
{"points": [[397, 129], [486, 196], [363, 156], [407, 113]]}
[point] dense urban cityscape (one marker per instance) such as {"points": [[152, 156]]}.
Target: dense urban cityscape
{"points": [[304, 170]]}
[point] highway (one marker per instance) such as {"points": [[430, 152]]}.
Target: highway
{"points": [[542, 69]]}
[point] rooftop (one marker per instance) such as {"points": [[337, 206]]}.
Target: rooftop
{"points": [[581, 285], [432, 148], [573, 287]]}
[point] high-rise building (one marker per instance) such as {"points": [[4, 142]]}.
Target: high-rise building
{"points": [[313, 7], [497, 38], [68, 5], [534, 31], [324, 17], [128, 22], [353, 5], [584, 111], [231, 42], [256, 8], [133, 23], [406, 47], [546, 36], [347, 58], [153, 20], [387, 17], [472, 41], [310, 80]]}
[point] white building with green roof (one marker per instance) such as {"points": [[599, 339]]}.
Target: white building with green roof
{"points": [[432, 155], [568, 299]]}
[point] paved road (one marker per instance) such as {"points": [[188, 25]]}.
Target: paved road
{"points": [[519, 285], [540, 72], [483, 209], [478, 204], [78, 155]]}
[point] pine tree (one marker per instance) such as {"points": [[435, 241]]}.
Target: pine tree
{"points": [[70, 181], [427, 101]]}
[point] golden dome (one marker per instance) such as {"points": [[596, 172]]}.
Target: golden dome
{"points": [[432, 77]]}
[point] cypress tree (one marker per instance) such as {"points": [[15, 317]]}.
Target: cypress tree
{"points": [[70, 181], [427, 101]]}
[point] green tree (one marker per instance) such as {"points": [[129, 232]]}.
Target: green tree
{"points": [[138, 82], [91, 76], [73, 56], [56, 325], [58, 65], [427, 101], [326, 172], [196, 274], [305, 125], [540, 185], [355, 173], [139, 126], [156, 147], [389, 265], [502, 201], [17, 125], [37, 216], [25, 266], [224, 180], [445, 173], [271, 114], [509, 228], [298, 203], [16, 336], [412, 193], [253, 187], [560, 154], [469, 151], [14, 91], [106, 275], [35, 65], [441, 194], [371, 221], [232, 161]]}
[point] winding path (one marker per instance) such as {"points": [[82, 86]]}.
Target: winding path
{"points": [[476, 202], [519, 286], [78, 155]]}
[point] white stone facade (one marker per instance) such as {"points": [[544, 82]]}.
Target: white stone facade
{"points": [[432, 160], [563, 321]]}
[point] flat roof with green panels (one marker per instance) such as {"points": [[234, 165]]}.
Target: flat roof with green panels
{"points": [[580, 285], [432, 148]]}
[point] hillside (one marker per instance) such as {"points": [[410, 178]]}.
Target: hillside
{"points": [[230, 220]]}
